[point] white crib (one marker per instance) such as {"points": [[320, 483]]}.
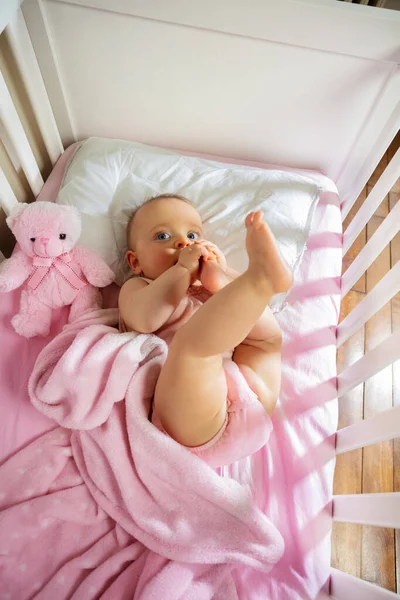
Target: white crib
{"points": [[291, 57]]}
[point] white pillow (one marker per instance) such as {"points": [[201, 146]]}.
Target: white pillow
{"points": [[106, 178]]}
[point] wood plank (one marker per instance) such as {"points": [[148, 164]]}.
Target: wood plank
{"points": [[347, 537], [356, 248], [383, 208], [378, 552], [394, 197], [383, 163], [394, 146]]}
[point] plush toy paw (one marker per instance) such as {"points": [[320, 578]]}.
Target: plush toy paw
{"points": [[5, 284], [27, 327]]}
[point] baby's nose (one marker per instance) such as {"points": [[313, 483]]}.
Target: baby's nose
{"points": [[182, 244]]}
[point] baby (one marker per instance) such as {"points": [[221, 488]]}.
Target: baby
{"points": [[186, 294]]}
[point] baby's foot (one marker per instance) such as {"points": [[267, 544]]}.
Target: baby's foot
{"points": [[213, 276], [265, 259]]}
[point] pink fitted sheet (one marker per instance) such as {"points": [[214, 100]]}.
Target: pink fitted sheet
{"points": [[291, 479]]}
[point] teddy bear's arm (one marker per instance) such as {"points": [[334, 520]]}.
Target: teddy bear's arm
{"points": [[14, 271], [96, 271]]}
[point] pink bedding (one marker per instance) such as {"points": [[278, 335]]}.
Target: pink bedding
{"points": [[291, 477], [178, 520]]}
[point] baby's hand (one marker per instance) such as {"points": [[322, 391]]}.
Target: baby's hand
{"points": [[190, 256], [214, 253]]}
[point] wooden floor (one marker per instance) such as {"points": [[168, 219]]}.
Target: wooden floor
{"points": [[369, 552]]}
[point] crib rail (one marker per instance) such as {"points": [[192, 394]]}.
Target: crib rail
{"points": [[384, 234], [12, 132], [381, 188], [15, 133], [377, 509], [385, 354], [384, 291], [383, 426], [347, 587], [20, 42]]}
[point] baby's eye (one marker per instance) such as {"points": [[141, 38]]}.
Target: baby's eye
{"points": [[62, 236], [163, 236], [193, 235]]}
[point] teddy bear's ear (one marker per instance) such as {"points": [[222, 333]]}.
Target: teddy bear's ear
{"points": [[15, 213]]}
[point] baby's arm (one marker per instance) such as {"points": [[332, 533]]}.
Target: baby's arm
{"points": [[146, 307]]}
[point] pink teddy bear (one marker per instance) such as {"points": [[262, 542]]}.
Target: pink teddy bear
{"points": [[55, 272]]}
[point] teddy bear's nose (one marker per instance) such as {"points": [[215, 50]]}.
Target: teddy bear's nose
{"points": [[44, 240]]}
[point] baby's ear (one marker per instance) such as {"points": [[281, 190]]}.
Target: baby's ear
{"points": [[15, 213], [133, 262]]}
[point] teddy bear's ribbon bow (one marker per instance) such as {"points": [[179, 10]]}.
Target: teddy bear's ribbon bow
{"points": [[43, 264]]}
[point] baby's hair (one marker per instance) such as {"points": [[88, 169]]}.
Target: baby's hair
{"points": [[152, 199]]}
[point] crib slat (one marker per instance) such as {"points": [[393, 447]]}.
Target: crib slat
{"points": [[383, 426], [20, 42], [348, 587], [347, 537], [394, 197], [372, 249], [7, 196], [384, 291], [379, 510], [377, 555], [13, 127], [36, 19], [372, 202], [386, 353], [347, 259]]}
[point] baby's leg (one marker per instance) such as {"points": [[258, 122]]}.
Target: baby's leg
{"points": [[190, 397], [215, 278], [34, 317], [259, 355]]}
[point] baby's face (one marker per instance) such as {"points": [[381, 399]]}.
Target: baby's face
{"points": [[158, 233]]}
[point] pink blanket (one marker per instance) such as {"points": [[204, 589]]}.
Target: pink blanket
{"points": [[106, 506]]}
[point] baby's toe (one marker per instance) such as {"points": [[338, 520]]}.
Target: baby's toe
{"points": [[258, 218], [249, 219]]}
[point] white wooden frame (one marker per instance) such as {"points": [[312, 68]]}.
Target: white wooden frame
{"points": [[377, 41]]}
